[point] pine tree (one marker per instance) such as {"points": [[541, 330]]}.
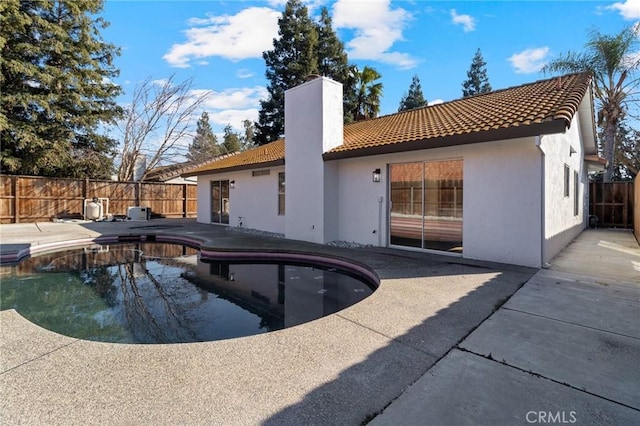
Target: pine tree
{"points": [[477, 81], [332, 58], [56, 90], [231, 141], [293, 58], [205, 143], [414, 97], [246, 140]]}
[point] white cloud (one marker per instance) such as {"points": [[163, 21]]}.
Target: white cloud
{"points": [[233, 117], [238, 98], [629, 9], [241, 36], [231, 106], [467, 21], [277, 3], [529, 60], [631, 60], [160, 82], [377, 27], [435, 102], [244, 73]]}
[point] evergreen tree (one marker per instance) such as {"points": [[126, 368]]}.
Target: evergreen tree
{"points": [[56, 90], [205, 143], [414, 97], [332, 58], [477, 81], [246, 140], [231, 142], [293, 58]]}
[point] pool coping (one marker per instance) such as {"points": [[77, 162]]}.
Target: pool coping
{"points": [[206, 252]]}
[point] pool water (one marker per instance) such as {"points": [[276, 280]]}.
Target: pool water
{"points": [[163, 293]]}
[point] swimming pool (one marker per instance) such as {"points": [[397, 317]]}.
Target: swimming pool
{"points": [[151, 292]]}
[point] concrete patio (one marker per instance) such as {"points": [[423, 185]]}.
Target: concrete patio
{"points": [[435, 344]]}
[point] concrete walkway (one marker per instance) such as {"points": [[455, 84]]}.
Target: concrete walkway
{"points": [[436, 341], [564, 349]]}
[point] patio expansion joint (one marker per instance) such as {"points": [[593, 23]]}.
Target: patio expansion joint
{"points": [[571, 323], [392, 339], [540, 376], [39, 357]]}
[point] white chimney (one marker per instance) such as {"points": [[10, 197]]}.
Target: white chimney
{"points": [[313, 126]]}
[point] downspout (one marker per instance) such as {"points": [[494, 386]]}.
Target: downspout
{"points": [[543, 264]]}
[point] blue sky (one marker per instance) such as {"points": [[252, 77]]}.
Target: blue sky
{"points": [[219, 44]]}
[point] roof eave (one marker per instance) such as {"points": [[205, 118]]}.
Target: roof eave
{"points": [[586, 114], [274, 163], [513, 132], [595, 163]]}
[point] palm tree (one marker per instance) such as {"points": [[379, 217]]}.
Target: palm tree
{"points": [[366, 93], [611, 62]]}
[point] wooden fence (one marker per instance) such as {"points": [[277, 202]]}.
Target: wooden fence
{"points": [[612, 203], [636, 208], [37, 199]]}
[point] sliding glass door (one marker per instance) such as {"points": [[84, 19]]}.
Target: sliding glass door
{"points": [[426, 205], [220, 201]]}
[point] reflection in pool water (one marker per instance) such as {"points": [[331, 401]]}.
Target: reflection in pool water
{"points": [[163, 293]]}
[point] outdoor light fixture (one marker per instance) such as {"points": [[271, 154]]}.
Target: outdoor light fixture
{"points": [[232, 184], [232, 276], [376, 175], [572, 150]]}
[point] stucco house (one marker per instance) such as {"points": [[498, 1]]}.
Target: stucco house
{"points": [[500, 176]]}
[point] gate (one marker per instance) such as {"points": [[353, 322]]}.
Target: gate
{"points": [[612, 204]]}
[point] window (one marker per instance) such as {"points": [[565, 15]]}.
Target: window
{"points": [[280, 194], [264, 172], [576, 194], [567, 175]]}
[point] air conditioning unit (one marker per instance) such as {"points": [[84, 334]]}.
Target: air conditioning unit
{"points": [[138, 213]]}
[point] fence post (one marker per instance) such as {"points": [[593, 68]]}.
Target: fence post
{"points": [[625, 207], [85, 189], [184, 200], [16, 199], [594, 204], [138, 192]]}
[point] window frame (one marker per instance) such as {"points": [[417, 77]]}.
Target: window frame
{"points": [[567, 181]]}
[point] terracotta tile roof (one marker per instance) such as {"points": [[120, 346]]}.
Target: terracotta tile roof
{"points": [[164, 173], [271, 154], [545, 106]]}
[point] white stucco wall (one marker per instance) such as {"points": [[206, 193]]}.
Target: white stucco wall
{"points": [[502, 202], [561, 225], [502, 207], [360, 213], [313, 125], [254, 198]]}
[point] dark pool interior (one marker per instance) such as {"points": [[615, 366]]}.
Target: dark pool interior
{"points": [[146, 292]]}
